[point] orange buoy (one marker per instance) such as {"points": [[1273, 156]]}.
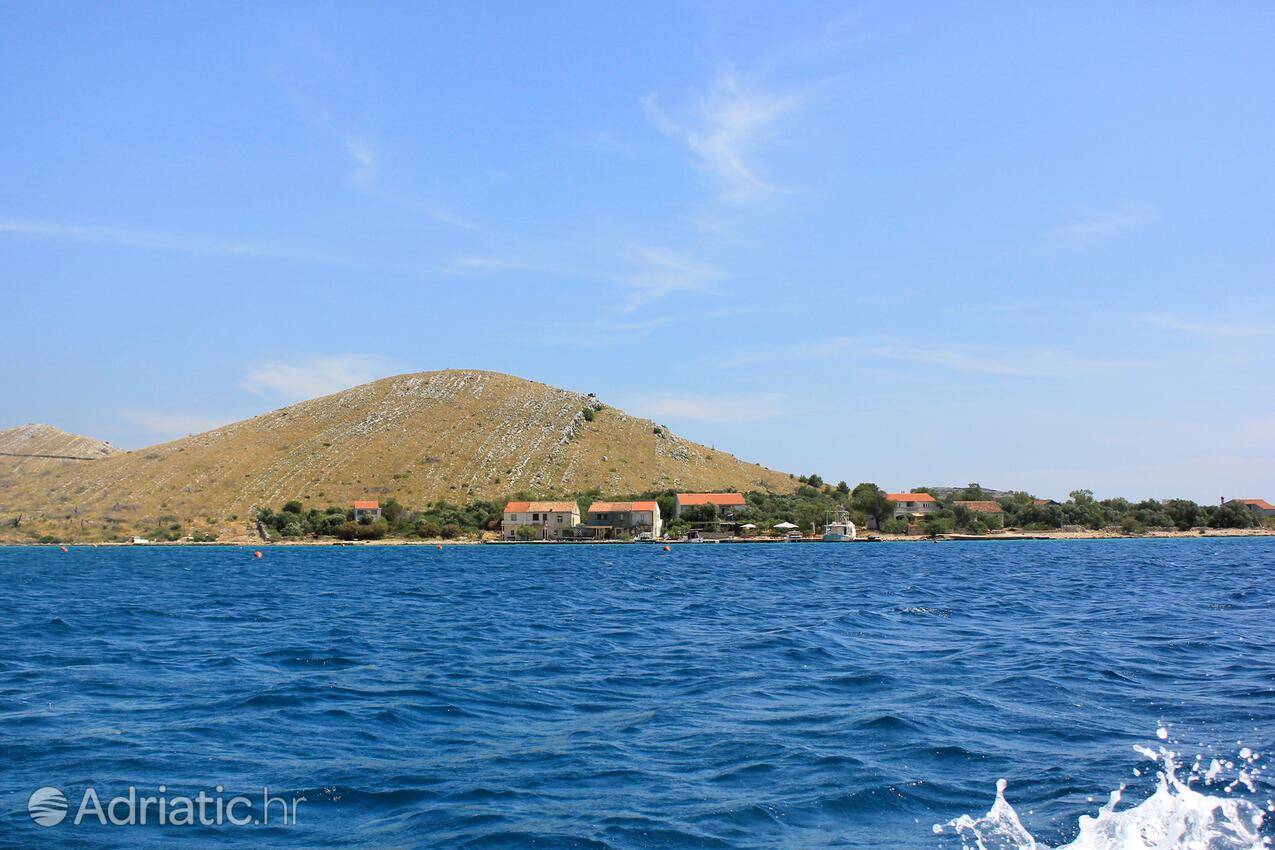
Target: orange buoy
{"points": [[257, 554]]}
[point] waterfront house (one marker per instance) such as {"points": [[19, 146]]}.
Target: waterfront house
{"points": [[983, 509], [912, 504], [371, 510], [726, 503], [612, 518], [548, 520], [1260, 507]]}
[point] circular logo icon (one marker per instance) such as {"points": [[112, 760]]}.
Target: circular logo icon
{"points": [[47, 806]]}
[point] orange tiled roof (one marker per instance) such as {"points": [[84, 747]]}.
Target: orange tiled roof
{"points": [[622, 507], [982, 507], [1258, 503], [910, 497], [719, 499], [541, 507], [367, 506]]}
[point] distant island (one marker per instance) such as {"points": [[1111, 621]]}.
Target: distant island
{"points": [[443, 453]]}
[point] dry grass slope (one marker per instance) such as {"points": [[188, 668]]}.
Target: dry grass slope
{"points": [[30, 449], [456, 435]]}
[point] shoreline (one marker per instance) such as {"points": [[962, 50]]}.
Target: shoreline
{"points": [[1210, 534]]}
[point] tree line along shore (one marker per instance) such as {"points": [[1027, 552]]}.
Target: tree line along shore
{"points": [[869, 507], [873, 510]]}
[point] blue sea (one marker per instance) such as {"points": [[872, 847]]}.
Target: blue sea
{"points": [[712, 696]]}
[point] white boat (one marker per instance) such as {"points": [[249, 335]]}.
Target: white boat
{"points": [[838, 528]]}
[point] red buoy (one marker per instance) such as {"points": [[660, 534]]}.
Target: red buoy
{"points": [[64, 549], [257, 554], [440, 547], [667, 549]]}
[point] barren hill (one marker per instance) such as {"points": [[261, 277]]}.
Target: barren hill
{"points": [[456, 435], [31, 448]]}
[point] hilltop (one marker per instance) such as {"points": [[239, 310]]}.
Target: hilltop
{"points": [[452, 435], [33, 448]]}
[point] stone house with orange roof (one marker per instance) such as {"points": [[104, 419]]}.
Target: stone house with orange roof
{"points": [[642, 517], [548, 520], [1259, 507], [725, 502], [982, 508]]}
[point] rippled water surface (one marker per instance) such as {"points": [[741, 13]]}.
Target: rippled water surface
{"points": [[794, 696]]}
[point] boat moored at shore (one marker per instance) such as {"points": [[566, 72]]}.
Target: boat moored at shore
{"points": [[838, 528]]}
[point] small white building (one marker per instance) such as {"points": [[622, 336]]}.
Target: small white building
{"points": [[912, 504], [547, 519], [371, 510]]}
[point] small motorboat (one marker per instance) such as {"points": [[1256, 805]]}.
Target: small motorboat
{"points": [[838, 528]]}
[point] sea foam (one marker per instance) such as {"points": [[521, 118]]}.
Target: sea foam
{"points": [[1176, 817]]}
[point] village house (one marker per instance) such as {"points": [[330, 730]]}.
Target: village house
{"points": [[983, 509], [912, 504], [726, 502], [371, 510], [1260, 507], [634, 518], [546, 519]]}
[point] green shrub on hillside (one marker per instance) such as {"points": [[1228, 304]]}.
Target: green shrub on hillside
{"points": [[362, 531]]}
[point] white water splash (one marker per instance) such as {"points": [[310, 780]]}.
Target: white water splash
{"points": [[1175, 817]]}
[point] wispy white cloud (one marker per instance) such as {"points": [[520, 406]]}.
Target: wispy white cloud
{"points": [[596, 334], [316, 377], [647, 272], [659, 272], [483, 264], [1023, 362], [165, 241], [747, 407], [725, 130], [1019, 362], [366, 162], [1091, 231], [171, 425], [782, 354], [608, 142], [366, 176], [1209, 328]]}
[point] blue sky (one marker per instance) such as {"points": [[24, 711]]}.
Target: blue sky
{"points": [[1028, 245]]}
